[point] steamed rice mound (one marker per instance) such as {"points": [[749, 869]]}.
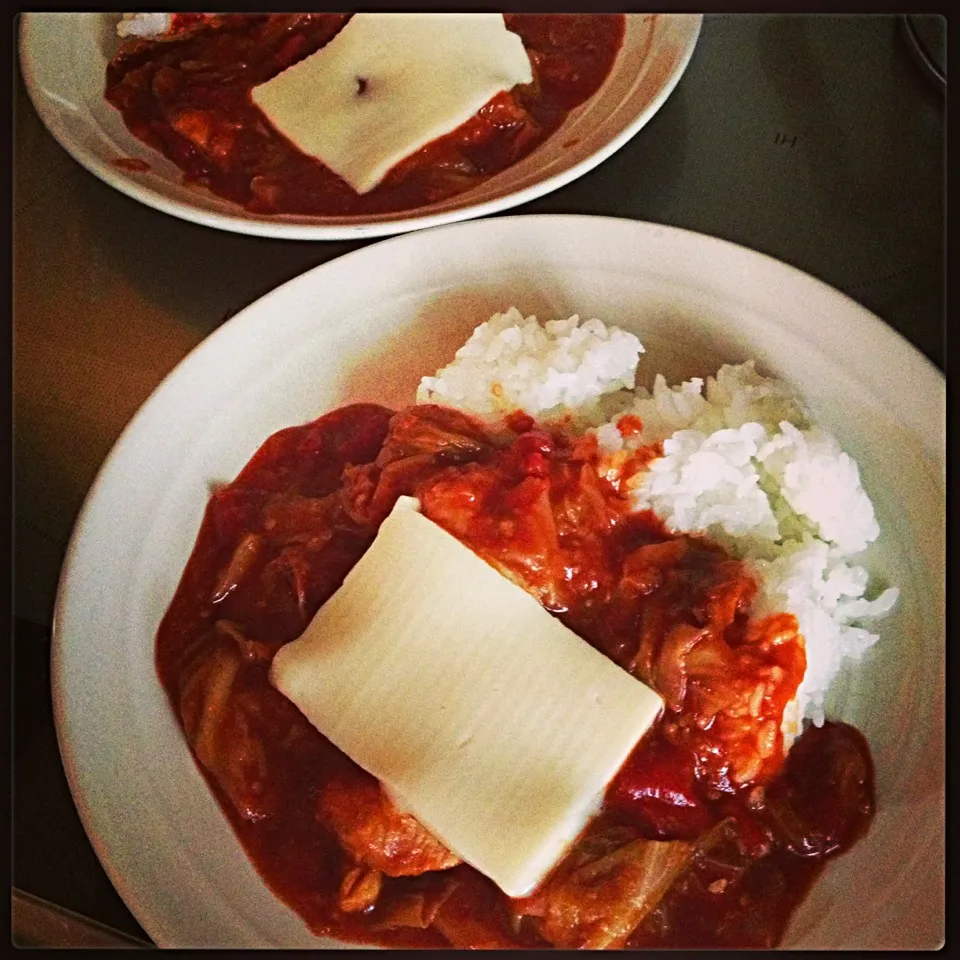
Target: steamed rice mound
{"points": [[742, 464], [556, 370], [145, 25]]}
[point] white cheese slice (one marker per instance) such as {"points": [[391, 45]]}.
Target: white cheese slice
{"points": [[479, 712], [389, 83]]}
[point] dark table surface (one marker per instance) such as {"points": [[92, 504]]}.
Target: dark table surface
{"points": [[818, 140]]}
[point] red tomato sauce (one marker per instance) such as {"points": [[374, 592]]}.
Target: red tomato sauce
{"points": [[278, 541], [188, 97]]}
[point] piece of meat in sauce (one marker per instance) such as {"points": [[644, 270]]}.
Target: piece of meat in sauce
{"points": [[377, 838], [373, 831]]}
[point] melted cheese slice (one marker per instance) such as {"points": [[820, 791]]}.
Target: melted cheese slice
{"points": [[479, 712], [388, 84]]}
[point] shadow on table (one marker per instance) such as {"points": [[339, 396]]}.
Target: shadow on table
{"points": [[198, 274]]}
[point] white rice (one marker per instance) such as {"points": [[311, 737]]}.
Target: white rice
{"points": [[144, 25], [742, 463], [553, 370], [825, 592]]}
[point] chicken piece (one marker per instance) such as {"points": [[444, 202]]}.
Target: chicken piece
{"points": [[207, 133], [195, 126], [374, 832]]}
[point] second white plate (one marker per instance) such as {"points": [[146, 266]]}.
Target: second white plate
{"points": [[64, 59]]}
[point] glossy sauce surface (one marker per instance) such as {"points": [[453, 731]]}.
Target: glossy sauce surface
{"points": [[189, 98], [707, 783]]}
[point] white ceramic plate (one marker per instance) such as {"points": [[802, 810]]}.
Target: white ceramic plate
{"points": [[367, 327], [64, 58]]}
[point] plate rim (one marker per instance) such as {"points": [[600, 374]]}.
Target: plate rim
{"points": [[250, 225], [247, 317]]}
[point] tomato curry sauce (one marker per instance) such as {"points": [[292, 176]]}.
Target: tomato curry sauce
{"points": [[188, 96], [707, 837]]}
